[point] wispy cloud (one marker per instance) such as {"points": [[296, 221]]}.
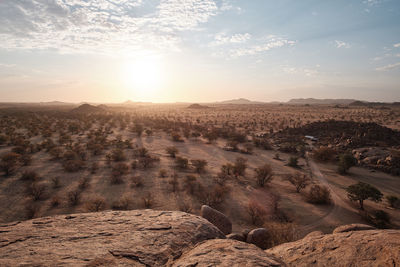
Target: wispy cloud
{"points": [[388, 67], [396, 45], [261, 46], [222, 38], [341, 44], [99, 25], [306, 71]]}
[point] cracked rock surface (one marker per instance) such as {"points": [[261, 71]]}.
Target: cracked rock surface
{"points": [[111, 238], [226, 253]]}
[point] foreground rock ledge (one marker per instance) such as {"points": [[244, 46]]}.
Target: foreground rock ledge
{"points": [[355, 248], [123, 238], [226, 253]]}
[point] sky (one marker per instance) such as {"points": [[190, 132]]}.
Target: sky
{"points": [[198, 50]]}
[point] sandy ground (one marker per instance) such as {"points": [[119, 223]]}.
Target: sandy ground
{"points": [[307, 216]]}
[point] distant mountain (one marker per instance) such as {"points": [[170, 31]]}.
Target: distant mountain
{"points": [[55, 103], [240, 101], [197, 106], [359, 104], [87, 108], [313, 101]]}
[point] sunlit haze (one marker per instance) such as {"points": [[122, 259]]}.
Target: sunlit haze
{"points": [[198, 50]]}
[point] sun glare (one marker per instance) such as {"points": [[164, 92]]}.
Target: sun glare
{"points": [[143, 77]]}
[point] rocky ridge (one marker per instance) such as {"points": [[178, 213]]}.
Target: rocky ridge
{"points": [[173, 238]]}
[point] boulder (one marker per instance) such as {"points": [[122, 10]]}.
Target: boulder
{"points": [[238, 237], [360, 248], [116, 238], [226, 253], [259, 237], [352, 227], [217, 218]]}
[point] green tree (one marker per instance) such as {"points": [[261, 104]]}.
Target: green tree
{"points": [[362, 191], [346, 161]]}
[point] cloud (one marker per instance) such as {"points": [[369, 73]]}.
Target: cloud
{"points": [[262, 46], [388, 67], [103, 26], [341, 44], [227, 6], [396, 45], [309, 72], [222, 38]]}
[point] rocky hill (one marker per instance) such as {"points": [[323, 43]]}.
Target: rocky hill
{"points": [[346, 134], [87, 108], [172, 238]]}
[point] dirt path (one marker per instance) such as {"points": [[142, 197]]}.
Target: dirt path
{"points": [[339, 209]]}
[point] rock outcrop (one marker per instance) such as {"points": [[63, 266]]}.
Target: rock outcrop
{"points": [[138, 238], [352, 227], [359, 248], [217, 218], [226, 253], [173, 238]]}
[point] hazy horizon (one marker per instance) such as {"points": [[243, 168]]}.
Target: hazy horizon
{"points": [[194, 51]]}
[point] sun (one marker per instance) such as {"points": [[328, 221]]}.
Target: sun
{"points": [[143, 77]]}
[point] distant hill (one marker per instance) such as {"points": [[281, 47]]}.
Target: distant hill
{"points": [[314, 101], [358, 104], [197, 106], [55, 103], [240, 101], [87, 108]]}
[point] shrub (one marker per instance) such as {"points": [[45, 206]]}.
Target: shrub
{"points": [[73, 165], [95, 204], [117, 155], [162, 173], [55, 182], [55, 202], [319, 194], [120, 169], [393, 201], [298, 180], [148, 200], [176, 137], [185, 206], [9, 162], [263, 143], [256, 212], [240, 166], [172, 151], [147, 162], [136, 181], [74, 197], [31, 210], [226, 170], [181, 162], [282, 232], [190, 184], [213, 196], [293, 162], [346, 161], [83, 183], [29, 176], [174, 183], [264, 174], [94, 167], [36, 190], [362, 191], [199, 165], [324, 153], [124, 203]]}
